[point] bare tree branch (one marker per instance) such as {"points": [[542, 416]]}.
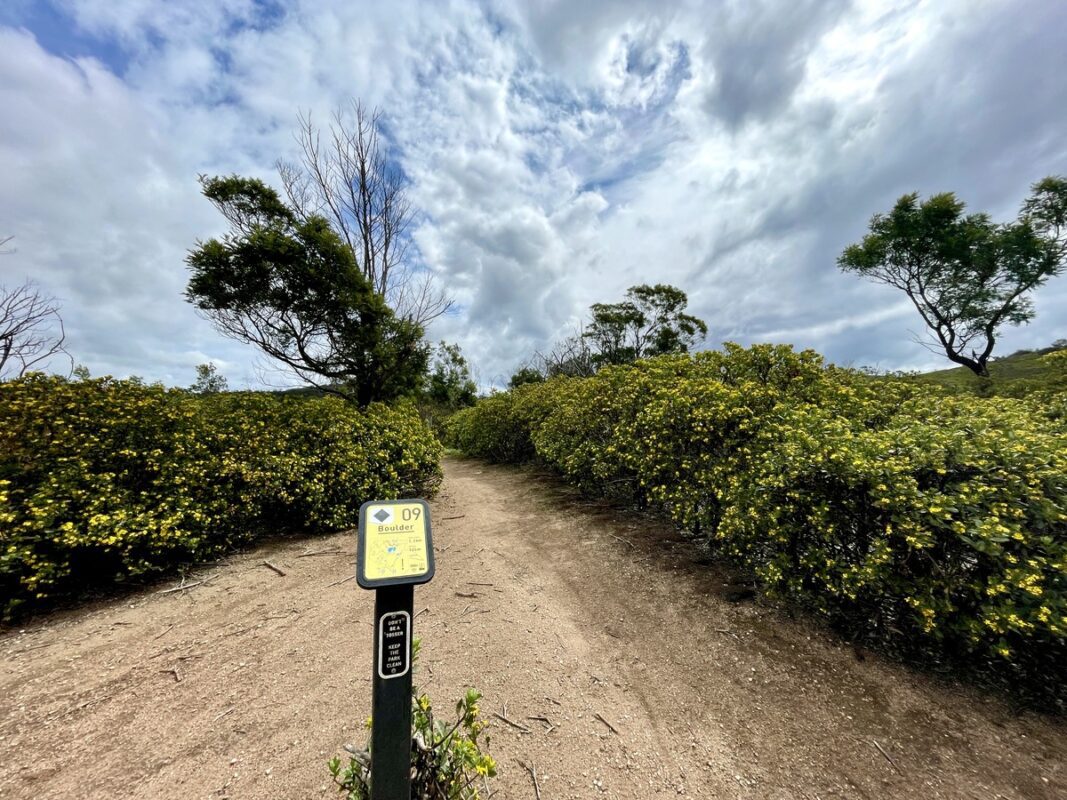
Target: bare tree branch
{"points": [[31, 330], [571, 357], [345, 173]]}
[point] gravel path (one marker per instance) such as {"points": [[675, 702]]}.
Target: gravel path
{"points": [[602, 622]]}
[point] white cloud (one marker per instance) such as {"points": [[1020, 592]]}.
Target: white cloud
{"points": [[560, 153]]}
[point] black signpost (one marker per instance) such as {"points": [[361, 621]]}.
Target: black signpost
{"points": [[394, 554]]}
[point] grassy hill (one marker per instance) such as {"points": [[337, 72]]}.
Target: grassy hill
{"points": [[1020, 373]]}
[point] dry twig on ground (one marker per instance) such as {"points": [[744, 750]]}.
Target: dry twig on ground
{"points": [[512, 723], [174, 671], [887, 758], [164, 632], [183, 585], [612, 727], [533, 775]]}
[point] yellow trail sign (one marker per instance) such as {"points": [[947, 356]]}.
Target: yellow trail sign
{"points": [[395, 544]]}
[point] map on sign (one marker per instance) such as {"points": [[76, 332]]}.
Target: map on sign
{"points": [[395, 542]]}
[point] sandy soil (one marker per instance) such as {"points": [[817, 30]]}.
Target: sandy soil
{"points": [[243, 686]]}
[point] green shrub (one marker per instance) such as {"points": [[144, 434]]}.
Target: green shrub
{"points": [[901, 511], [449, 757], [496, 432], [102, 480], [946, 524]]}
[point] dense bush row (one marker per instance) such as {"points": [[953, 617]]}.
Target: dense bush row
{"points": [[907, 514], [101, 480]]}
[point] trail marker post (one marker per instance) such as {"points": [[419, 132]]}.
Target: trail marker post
{"points": [[394, 554]]}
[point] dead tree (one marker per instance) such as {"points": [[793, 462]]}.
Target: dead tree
{"points": [[571, 357], [345, 174], [31, 330]]}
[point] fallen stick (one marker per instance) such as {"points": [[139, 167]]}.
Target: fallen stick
{"points": [[223, 714], [612, 727], [279, 570], [319, 552], [458, 516], [533, 774], [421, 612], [474, 583], [467, 595], [627, 541], [174, 671], [165, 631], [547, 722], [343, 580], [512, 723], [237, 632], [180, 588], [887, 758], [185, 585]]}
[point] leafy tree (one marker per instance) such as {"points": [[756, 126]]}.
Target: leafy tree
{"points": [[449, 383], [966, 275], [651, 321], [525, 375], [208, 380], [286, 283]]}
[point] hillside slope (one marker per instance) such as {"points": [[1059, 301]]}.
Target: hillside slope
{"points": [[1019, 373]]}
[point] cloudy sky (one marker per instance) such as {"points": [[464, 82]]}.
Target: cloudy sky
{"points": [[559, 152]]}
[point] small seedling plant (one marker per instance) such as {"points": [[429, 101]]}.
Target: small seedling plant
{"points": [[448, 757]]}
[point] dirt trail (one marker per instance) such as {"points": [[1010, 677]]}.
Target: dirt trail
{"points": [[243, 686]]}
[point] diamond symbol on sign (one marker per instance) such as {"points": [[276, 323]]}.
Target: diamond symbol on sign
{"points": [[382, 515]]}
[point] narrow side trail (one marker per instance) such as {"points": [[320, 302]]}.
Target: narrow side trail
{"points": [[598, 632]]}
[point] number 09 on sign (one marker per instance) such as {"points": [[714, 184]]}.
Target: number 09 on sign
{"points": [[395, 545]]}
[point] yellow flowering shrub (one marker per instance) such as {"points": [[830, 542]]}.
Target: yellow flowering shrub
{"points": [[101, 480], [905, 512], [500, 431]]}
